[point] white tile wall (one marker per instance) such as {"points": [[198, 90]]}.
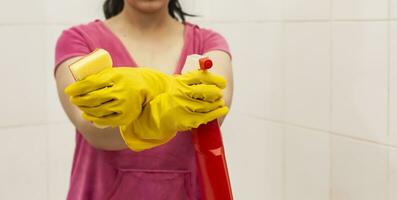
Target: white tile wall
{"points": [[54, 111], [393, 9], [24, 167], [360, 9], [258, 59], [254, 10], [272, 72], [23, 80], [393, 173], [22, 12], [307, 163], [359, 170], [359, 84], [273, 9], [254, 152], [274, 161], [307, 74], [61, 143], [73, 11], [393, 84], [191, 6], [307, 9]]}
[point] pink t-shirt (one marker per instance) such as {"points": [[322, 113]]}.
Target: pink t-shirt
{"points": [[166, 172]]}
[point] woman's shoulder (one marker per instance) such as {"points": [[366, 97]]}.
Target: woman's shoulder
{"points": [[201, 30], [78, 40], [91, 34], [206, 38], [85, 28]]}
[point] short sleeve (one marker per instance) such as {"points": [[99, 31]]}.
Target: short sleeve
{"points": [[214, 41], [70, 43]]}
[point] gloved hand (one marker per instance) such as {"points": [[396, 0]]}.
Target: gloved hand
{"points": [[116, 96], [190, 100]]}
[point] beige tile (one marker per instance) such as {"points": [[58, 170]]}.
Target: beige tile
{"points": [[393, 173], [22, 12], [358, 170], [307, 162], [257, 67], [359, 85], [254, 152], [272, 72], [23, 78], [73, 11], [54, 111], [393, 84], [307, 74], [253, 10], [307, 9], [360, 9], [24, 167], [189, 6], [393, 9], [274, 159], [61, 143]]}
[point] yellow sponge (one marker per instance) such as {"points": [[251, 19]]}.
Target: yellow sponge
{"points": [[93, 63]]}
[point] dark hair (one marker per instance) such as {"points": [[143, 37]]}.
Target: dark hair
{"points": [[114, 7]]}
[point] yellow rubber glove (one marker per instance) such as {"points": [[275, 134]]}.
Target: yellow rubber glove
{"points": [[116, 96], [190, 100]]}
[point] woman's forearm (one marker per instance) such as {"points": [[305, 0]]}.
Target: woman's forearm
{"points": [[105, 139], [223, 67]]}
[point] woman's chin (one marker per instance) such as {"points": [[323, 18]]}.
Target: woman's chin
{"points": [[148, 6]]}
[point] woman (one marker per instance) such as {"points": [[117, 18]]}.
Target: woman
{"points": [[136, 33]]}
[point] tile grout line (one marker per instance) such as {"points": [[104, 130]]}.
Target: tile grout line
{"points": [[14, 126], [372, 142], [337, 20], [284, 162], [331, 94], [259, 117], [388, 98], [284, 132], [48, 167], [283, 109], [38, 24]]}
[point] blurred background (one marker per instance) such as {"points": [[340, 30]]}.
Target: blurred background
{"points": [[315, 107]]}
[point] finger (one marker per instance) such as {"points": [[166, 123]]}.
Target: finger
{"points": [[209, 93], [203, 77], [91, 83], [203, 118], [102, 110], [94, 98], [215, 114], [198, 106]]}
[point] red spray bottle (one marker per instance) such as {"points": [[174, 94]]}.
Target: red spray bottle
{"points": [[210, 154]]}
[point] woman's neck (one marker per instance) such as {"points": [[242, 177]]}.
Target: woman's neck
{"points": [[147, 23]]}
